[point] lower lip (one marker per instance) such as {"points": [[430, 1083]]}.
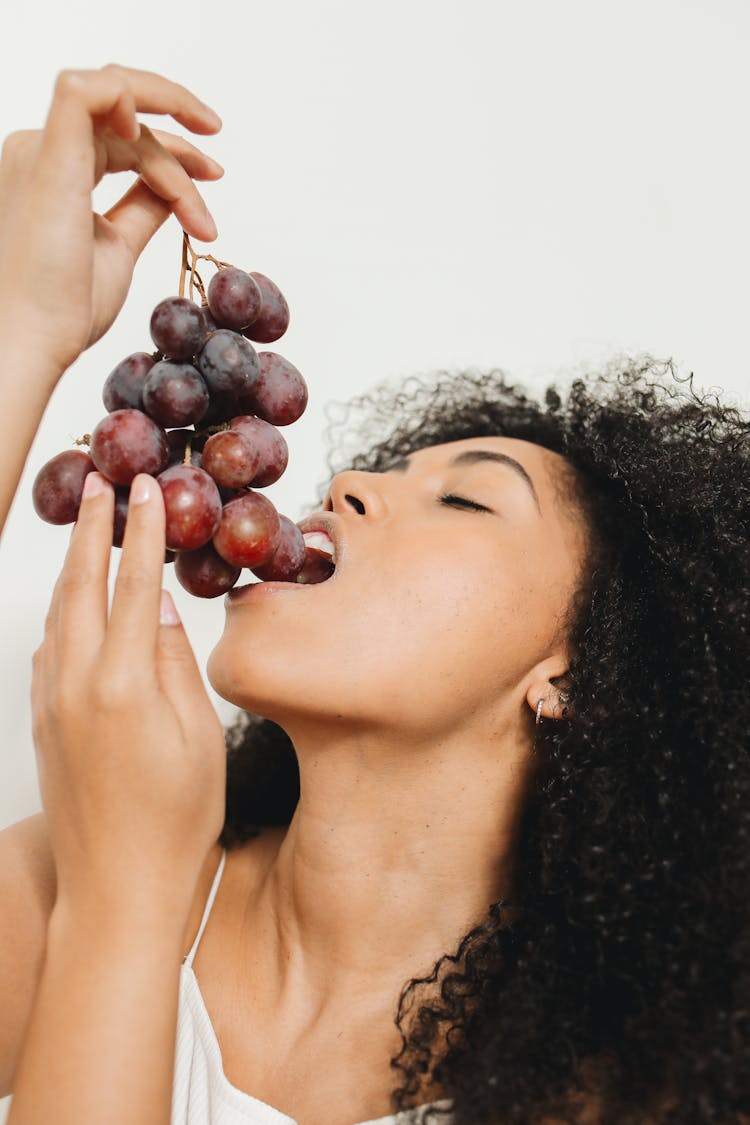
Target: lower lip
{"points": [[262, 589]]}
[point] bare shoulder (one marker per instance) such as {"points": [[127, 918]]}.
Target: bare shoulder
{"points": [[26, 861], [28, 888]]}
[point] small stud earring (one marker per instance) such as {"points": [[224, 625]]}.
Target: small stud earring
{"points": [[539, 712]]}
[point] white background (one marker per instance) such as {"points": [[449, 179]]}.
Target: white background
{"points": [[434, 184]]}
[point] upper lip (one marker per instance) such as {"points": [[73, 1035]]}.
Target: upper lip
{"points": [[328, 524]]}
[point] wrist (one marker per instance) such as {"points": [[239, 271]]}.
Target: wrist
{"points": [[123, 917], [27, 364]]}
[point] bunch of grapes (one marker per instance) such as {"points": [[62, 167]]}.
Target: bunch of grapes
{"points": [[201, 414]]}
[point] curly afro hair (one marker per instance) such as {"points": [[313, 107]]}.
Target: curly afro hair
{"points": [[615, 985]]}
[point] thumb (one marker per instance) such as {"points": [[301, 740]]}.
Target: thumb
{"points": [[137, 216], [179, 674]]}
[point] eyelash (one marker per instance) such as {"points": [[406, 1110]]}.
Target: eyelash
{"points": [[450, 498]]}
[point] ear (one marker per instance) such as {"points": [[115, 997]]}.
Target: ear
{"points": [[554, 698]]}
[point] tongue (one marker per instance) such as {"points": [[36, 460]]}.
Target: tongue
{"points": [[317, 568]]}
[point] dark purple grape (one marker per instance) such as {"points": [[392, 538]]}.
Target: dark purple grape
{"points": [[280, 393], [177, 441], [209, 324], [230, 459], [288, 558], [128, 442], [178, 327], [221, 408], [122, 496], [273, 319], [249, 532], [205, 573], [123, 387], [228, 363], [192, 505], [58, 487], [234, 298], [174, 394], [271, 445]]}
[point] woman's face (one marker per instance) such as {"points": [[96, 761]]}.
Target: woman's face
{"points": [[453, 571]]}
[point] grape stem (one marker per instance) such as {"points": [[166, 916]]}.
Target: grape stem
{"points": [[85, 440], [189, 262]]}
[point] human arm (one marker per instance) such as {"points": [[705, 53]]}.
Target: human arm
{"points": [[64, 270], [132, 771]]}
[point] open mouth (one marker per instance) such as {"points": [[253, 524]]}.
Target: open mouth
{"points": [[320, 562]]}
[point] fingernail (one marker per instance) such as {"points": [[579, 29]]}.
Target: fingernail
{"points": [[93, 485], [216, 165], [168, 614], [140, 490]]}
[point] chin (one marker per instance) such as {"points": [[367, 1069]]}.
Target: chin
{"points": [[246, 679]]}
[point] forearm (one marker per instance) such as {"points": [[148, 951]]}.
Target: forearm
{"points": [[27, 380], [100, 1042]]}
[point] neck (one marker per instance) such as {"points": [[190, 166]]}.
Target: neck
{"points": [[394, 852]]}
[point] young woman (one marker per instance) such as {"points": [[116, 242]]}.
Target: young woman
{"points": [[484, 858]]}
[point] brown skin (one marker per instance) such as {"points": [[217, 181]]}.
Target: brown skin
{"points": [[409, 684]]}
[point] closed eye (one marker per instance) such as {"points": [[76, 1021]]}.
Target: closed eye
{"points": [[462, 502]]}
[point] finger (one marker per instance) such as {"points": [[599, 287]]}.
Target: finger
{"points": [[19, 154], [122, 119], [78, 615], [166, 177], [168, 170], [118, 157], [198, 164], [178, 671], [163, 173], [137, 216], [134, 618], [82, 94]]}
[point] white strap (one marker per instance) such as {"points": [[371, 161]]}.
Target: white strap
{"points": [[207, 910]]}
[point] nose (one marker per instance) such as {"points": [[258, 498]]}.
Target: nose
{"points": [[358, 492]]}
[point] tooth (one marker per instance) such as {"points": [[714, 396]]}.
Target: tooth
{"points": [[320, 542]]}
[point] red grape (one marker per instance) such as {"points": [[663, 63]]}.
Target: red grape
{"points": [[234, 298], [58, 487], [271, 446], [249, 532], [316, 568], [174, 394], [288, 558], [230, 459], [205, 573], [178, 327], [228, 363], [123, 387], [192, 504], [273, 319], [279, 395], [128, 442]]}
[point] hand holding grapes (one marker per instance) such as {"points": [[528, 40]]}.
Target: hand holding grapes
{"points": [[66, 271], [130, 751]]}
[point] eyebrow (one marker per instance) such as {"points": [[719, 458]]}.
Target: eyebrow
{"points": [[476, 457]]}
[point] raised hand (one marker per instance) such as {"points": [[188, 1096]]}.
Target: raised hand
{"points": [[65, 271], [130, 752]]}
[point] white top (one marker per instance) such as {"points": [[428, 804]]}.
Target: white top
{"points": [[202, 1094]]}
